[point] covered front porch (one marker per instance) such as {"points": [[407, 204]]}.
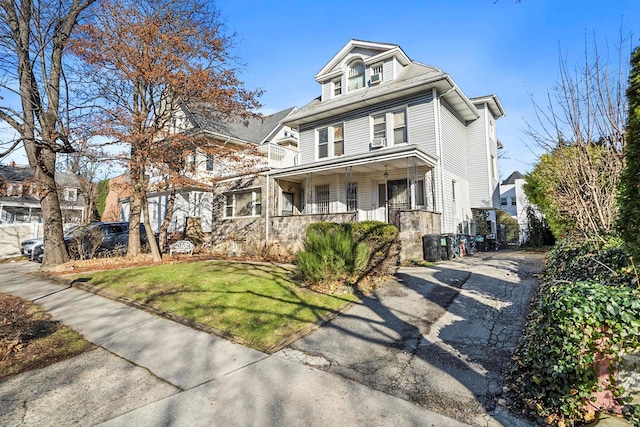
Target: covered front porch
{"points": [[395, 185], [376, 186]]}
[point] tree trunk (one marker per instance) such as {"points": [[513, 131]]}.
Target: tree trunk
{"points": [[166, 221], [56, 250], [135, 209], [151, 238]]}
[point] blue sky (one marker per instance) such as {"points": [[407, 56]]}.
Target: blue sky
{"points": [[506, 48]]}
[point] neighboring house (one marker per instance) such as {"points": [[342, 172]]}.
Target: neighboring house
{"points": [[119, 190], [19, 202], [515, 202], [274, 145]]}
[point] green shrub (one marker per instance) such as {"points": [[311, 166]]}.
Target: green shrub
{"points": [[330, 255], [606, 262], [346, 252], [582, 314]]}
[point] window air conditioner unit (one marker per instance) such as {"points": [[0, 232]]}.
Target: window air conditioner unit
{"points": [[378, 142], [375, 79]]}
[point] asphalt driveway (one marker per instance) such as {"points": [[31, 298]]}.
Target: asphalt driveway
{"points": [[440, 337]]}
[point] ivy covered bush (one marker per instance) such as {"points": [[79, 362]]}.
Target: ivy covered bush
{"points": [[606, 262], [586, 314], [335, 252]]}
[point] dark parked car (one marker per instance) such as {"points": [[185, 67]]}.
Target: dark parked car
{"points": [[95, 239]]}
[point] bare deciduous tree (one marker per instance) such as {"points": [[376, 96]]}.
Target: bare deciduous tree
{"points": [[148, 58], [34, 35], [582, 126]]}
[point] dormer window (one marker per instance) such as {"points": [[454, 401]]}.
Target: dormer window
{"points": [[337, 87], [356, 75]]}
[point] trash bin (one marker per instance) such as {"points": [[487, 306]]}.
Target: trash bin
{"points": [[431, 247], [480, 245], [446, 247]]}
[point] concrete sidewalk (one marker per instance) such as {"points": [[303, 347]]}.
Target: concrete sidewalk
{"points": [[206, 380]]}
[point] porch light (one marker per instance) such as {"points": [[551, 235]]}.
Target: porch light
{"points": [[386, 174]]}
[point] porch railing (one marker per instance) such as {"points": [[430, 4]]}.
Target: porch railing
{"points": [[279, 157]]}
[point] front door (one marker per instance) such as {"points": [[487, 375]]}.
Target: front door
{"points": [[380, 208], [398, 199], [287, 203]]}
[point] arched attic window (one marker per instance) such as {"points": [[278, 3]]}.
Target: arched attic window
{"points": [[356, 75]]}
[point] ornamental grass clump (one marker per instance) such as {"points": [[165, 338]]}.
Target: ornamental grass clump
{"points": [[330, 256], [347, 253]]}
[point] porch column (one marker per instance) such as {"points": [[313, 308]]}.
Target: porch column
{"points": [[308, 207]]}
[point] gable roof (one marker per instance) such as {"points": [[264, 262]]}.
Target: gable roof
{"points": [[15, 173], [512, 178], [495, 106], [414, 78], [255, 130], [375, 51]]}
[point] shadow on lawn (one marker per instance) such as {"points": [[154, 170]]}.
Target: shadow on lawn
{"points": [[257, 305]]}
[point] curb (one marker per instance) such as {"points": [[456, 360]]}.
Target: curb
{"points": [[190, 323]]}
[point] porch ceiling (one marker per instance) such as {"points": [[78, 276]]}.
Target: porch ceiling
{"points": [[372, 163]]}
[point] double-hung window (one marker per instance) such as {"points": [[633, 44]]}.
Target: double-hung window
{"points": [[392, 126], [399, 127], [323, 143], [331, 141], [337, 87], [338, 140], [243, 203], [209, 162], [380, 126]]}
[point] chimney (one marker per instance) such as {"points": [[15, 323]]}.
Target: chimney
{"points": [[12, 164]]}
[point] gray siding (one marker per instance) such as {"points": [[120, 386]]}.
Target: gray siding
{"points": [[307, 146], [479, 167], [454, 144], [357, 134], [421, 123]]}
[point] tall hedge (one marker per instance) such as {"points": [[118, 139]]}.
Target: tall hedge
{"points": [[628, 223]]}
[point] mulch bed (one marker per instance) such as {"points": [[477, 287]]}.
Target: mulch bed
{"points": [[24, 328]]}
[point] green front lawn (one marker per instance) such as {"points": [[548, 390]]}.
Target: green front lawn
{"points": [[256, 303]]}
